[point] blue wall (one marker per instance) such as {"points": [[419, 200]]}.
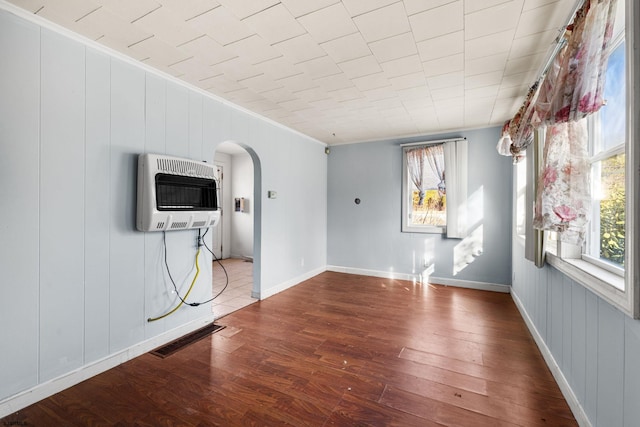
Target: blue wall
{"points": [[368, 237], [78, 281]]}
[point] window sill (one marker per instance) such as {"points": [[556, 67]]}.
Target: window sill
{"points": [[603, 283]]}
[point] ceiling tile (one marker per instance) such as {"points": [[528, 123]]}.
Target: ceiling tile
{"points": [[534, 4], [482, 92], [66, 13], [277, 68], [347, 94], [221, 25], [358, 7], [529, 45], [525, 64], [104, 22], [448, 93], [346, 48], [408, 81], [311, 95], [196, 70], [360, 67], [298, 82], [303, 7], [278, 95], [260, 83], [394, 47], [511, 91], [253, 49], [208, 50], [490, 20], [127, 9], [244, 8], [439, 47], [471, 6], [447, 64], [328, 23], [319, 67], [300, 49], [414, 94], [402, 66], [166, 26], [237, 68], [446, 80], [437, 22], [371, 81], [334, 82], [486, 64], [416, 6], [547, 17], [394, 18], [481, 80], [275, 24], [159, 51], [488, 45], [187, 9]]}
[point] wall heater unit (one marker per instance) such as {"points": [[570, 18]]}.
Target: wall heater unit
{"points": [[175, 194]]}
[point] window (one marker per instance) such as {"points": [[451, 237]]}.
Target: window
{"points": [[426, 192], [434, 187], [607, 133]]}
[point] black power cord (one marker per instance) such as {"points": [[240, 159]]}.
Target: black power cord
{"points": [[201, 242], [216, 259]]}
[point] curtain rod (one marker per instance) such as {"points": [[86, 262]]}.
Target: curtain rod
{"points": [[435, 141], [559, 41]]}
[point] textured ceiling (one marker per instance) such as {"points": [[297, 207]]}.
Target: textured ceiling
{"points": [[338, 71]]}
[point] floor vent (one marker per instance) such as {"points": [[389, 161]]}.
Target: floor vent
{"points": [[184, 341]]}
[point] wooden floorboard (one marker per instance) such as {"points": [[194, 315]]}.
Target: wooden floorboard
{"points": [[336, 350]]}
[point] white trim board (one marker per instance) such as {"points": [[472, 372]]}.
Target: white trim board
{"points": [[266, 293], [565, 388], [42, 391], [483, 286]]}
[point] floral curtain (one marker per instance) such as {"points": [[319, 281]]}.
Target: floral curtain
{"points": [[573, 88], [563, 198], [417, 159]]}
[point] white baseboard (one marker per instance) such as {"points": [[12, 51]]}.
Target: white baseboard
{"points": [[374, 273], [431, 279], [266, 293], [565, 388], [470, 284], [51, 387]]}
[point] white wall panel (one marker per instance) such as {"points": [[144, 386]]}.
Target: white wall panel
{"points": [[126, 260], [610, 365], [591, 353], [157, 286], [62, 205], [155, 114], [97, 205], [177, 124], [195, 129], [631, 373], [19, 213], [578, 339]]}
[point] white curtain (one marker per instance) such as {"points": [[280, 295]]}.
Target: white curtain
{"points": [[455, 165]]}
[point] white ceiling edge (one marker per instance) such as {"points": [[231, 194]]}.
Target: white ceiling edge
{"points": [[42, 22], [417, 135]]}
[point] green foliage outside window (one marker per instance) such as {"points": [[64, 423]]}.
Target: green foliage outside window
{"points": [[612, 210]]}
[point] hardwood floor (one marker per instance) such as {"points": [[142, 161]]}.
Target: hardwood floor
{"points": [[336, 350]]}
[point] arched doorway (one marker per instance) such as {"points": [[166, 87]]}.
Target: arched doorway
{"points": [[237, 239]]}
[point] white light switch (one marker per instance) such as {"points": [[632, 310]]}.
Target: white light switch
{"points": [[272, 194]]}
